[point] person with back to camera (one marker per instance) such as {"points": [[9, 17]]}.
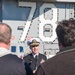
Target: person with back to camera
{"points": [[9, 64], [64, 62], [35, 58]]}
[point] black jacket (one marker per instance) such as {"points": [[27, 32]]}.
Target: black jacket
{"points": [[11, 65], [32, 62]]}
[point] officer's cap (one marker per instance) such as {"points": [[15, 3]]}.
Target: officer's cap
{"points": [[33, 42]]}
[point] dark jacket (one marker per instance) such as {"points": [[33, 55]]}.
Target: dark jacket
{"points": [[11, 65], [32, 62], [28, 69], [61, 64]]}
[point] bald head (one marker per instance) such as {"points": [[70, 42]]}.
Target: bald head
{"points": [[5, 33]]}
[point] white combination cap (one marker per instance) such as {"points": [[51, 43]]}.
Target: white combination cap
{"points": [[33, 41]]}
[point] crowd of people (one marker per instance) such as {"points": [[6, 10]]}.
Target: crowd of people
{"points": [[35, 63]]}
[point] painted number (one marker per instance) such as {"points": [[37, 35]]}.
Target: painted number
{"points": [[45, 22], [42, 20], [33, 7]]}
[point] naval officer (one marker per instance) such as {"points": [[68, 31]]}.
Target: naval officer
{"points": [[34, 59]]}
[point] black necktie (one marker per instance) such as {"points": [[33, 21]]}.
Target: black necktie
{"points": [[36, 62], [36, 57]]}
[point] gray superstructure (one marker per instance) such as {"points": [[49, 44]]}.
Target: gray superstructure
{"points": [[36, 19]]}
